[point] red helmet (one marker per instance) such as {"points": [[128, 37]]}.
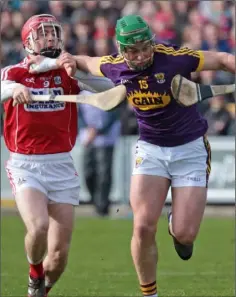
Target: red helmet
{"points": [[32, 25]]}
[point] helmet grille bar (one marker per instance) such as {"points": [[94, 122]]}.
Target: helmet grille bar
{"points": [[133, 31]]}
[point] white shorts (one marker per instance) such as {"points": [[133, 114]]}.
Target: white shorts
{"points": [[185, 165], [54, 175]]}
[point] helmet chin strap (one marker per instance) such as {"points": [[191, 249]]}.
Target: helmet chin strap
{"points": [[139, 68], [50, 52]]}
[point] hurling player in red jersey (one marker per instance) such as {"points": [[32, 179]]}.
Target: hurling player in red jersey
{"points": [[40, 136]]}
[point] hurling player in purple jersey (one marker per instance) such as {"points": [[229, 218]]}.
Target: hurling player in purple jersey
{"points": [[172, 150]]}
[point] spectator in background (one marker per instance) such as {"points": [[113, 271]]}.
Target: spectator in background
{"points": [[98, 134], [195, 19], [128, 121], [232, 40], [29, 8], [148, 10], [102, 28], [92, 8], [111, 12], [212, 39], [101, 47], [232, 125], [69, 38], [192, 37], [61, 10], [180, 10], [130, 7], [83, 28], [164, 22], [218, 117]]}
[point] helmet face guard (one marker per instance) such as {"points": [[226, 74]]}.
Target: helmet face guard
{"points": [[30, 35], [132, 32]]}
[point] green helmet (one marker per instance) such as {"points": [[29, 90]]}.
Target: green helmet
{"points": [[131, 29]]}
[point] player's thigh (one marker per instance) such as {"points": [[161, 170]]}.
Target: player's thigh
{"points": [[190, 174], [147, 197], [61, 224], [67, 196], [30, 194], [32, 205], [190, 165], [149, 183], [62, 181]]}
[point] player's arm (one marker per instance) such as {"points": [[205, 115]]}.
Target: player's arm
{"points": [[83, 68], [93, 83], [7, 88], [11, 89], [89, 64], [218, 61], [84, 63], [88, 72], [71, 63]]}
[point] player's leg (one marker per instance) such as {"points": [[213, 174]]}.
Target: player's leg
{"points": [[189, 194], [59, 238], [149, 186], [147, 197], [104, 179], [32, 206], [187, 213], [63, 193], [31, 200]]}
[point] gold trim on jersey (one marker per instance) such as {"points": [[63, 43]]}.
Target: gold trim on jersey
{"points": [[100, 72], [110, 60], [201, 61], [160, 48]]}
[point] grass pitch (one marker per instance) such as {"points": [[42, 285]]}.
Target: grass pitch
{"points": [[100, 263]]}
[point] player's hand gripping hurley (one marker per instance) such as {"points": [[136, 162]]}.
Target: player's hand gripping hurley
{"points": [[104, 100], [188, 93]]}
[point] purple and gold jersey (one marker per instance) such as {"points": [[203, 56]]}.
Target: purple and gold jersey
{"points": [[161, 120]]}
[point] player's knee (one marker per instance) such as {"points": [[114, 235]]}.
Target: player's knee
{"points": [[185, 235], [38, 228], [145, 232]]}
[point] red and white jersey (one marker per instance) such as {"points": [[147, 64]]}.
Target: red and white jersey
{"points": [[40, 127]]}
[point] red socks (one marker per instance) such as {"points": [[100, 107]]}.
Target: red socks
{"points": [[36, 271]]}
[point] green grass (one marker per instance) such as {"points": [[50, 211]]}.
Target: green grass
{"points": [[100, 262]]}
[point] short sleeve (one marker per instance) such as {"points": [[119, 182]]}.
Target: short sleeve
{"points": [[105, 66], [189, 59], [8, 73], [186, 59]]}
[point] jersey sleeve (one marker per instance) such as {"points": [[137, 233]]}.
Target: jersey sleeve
{"points": [[192, 60], [187, 60], [105, 66], [8, 73]]}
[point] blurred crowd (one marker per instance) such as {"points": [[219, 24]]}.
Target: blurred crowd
{"points": [[89, 28]]}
